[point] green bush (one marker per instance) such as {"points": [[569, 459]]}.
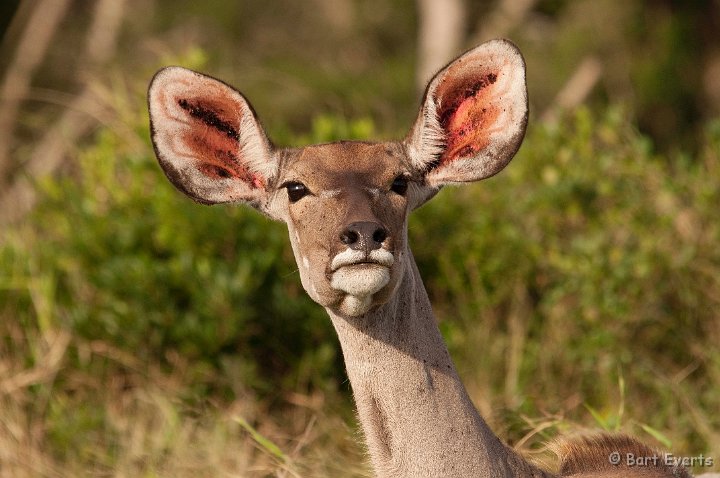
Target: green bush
{"points": [[585, 274], [587, 268], [138, 265]]}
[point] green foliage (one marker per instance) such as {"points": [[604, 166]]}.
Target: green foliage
{"points": [[141, 267], [132, 262], [593, 260], [326, 128], [583, 276]]}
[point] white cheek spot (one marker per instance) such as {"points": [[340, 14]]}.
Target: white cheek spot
{"points": [[306, 262], [374, 192], [297, 237]]}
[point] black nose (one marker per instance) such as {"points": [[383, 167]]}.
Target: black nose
{"points": [[364, 236]]}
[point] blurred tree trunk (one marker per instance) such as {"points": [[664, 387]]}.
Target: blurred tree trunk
{"points": [[442, 31], [32, 46], [576, 90], [441, 34], [77, 119], [508, 14], [8, 10]]}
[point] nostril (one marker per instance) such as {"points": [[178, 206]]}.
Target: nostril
{"points": [[379, 235], [364, 236], [349, 237]]}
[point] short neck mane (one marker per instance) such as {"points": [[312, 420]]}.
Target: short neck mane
{"points": [[415, 412]]}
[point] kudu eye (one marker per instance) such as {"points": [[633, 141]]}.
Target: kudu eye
{"points": [[296, 191], [399, 185]]}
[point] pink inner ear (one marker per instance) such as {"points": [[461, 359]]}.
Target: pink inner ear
{"points": [[467, 114], [213, 137]]}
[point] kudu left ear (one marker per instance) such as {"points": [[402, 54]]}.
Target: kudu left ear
{"points": [[473, 116], [208, 140]]}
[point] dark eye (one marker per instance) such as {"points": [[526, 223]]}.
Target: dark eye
{"points": [[296, 191], [400, 185]]}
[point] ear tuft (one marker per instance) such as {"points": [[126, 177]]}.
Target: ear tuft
{"points": [[473, 116], [207, 138]]}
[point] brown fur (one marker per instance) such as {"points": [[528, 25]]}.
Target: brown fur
{"points": [[594, 456]]}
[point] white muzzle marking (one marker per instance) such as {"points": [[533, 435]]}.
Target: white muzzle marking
{"points": [[361, 281], [350, 257], [360, 276]]}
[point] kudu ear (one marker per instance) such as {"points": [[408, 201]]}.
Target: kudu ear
{"points": [[208, 140], [473, 116]]}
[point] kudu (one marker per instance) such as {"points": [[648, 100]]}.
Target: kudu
{"points": [[346, 206]]}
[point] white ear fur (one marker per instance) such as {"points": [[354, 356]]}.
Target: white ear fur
{"points": [[207, 138], [473, 116]]}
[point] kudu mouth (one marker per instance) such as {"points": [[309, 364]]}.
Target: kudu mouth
{"points": [[352, 257], [359, 275]]}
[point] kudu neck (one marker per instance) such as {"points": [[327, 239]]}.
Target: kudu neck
{"points": [[415, 412]]}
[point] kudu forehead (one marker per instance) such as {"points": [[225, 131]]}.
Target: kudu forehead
{"points": [[346, 164]]}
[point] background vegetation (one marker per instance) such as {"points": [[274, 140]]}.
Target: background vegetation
{"points": [[144, 335]]}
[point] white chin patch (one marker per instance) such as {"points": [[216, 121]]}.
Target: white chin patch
{"points": [[354, 306], [359, 282]]}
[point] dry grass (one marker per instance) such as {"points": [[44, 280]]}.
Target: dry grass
{"points": [[130, 420]]}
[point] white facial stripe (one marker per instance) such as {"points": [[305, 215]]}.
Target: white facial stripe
{"points": [[329, 193], [351, 256], [306, 262]]}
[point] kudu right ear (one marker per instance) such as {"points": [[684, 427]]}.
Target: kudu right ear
{"points": [[207, 139], [473, 117]]}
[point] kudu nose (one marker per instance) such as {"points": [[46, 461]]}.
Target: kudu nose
{"points": [[364, 236]]}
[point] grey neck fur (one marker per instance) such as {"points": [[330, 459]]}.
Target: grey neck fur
{"points": [[414, 410]]}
